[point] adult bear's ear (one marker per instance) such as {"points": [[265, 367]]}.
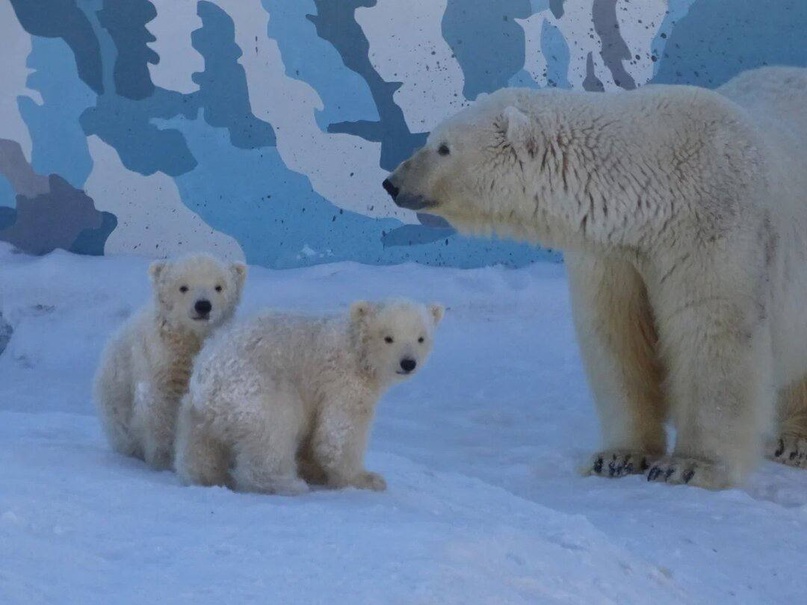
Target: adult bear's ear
{"points": [[239, 271], [156, 269], [437, 312], [518, 129], [361, 310]]}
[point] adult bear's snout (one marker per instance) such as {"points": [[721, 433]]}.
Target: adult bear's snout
{"points": [[390, 188]]}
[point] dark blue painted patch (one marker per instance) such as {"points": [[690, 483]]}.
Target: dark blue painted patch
{"points": [[92, 241], [125, 20], [223, 83], [409, 235], [8, 217], [58, 144], [336, 23], [63, 19], [466, 23], [718, 39], [7, 193]]}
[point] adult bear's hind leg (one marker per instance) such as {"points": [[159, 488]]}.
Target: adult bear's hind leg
{"points": [[790, 447]]}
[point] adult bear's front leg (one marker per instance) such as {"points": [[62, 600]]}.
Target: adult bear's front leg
{"points": [[617, 340], [716, 345]]}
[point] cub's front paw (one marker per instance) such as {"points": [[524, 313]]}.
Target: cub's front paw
{"points": [[369, 480], [677, 470], [618, 463], [789, 450]]}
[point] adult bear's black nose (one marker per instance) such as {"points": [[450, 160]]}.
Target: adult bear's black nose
{"points": [[390, 188], [202, 307], [407, 365]]}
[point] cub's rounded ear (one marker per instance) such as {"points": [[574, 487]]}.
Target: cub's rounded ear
{"points": [[240, 272], [361, 310], [156, 268], [437, 312]]}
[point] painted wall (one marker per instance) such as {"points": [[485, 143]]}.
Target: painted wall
{"points": [[263, 128]]}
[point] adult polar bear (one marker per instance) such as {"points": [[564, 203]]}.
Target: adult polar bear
{"points": [[683, 215]]}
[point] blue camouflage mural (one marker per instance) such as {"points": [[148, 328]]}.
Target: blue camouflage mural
{"points": [[262, 129]]}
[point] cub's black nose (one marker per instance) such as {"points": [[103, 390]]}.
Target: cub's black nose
{"points": [[390, 188], [202, 307], [407, 365]]}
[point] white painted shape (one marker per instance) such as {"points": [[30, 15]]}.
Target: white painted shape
{"points": [[342, 168], [13, 82], [577, 27], [407, 45], [172, 27], [639, 36], [152, 219], [534, 60]]}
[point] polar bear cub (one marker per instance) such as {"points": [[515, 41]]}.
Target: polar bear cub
{"points": [[282, 396], [145, 367]]}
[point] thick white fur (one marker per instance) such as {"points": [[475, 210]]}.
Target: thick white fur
{"points": [[280, 397], [683, 214], [145, 367]]}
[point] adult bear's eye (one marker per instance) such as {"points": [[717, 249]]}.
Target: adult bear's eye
{"points": [[218, 288], [443, 149], [183, 289], [388, 339], [420, 340]]}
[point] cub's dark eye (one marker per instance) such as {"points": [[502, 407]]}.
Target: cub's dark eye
{"points": [[183, 289], [421, 339], [443, 149], [388, 339], [219, 288]]}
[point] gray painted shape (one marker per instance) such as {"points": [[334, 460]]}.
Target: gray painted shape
{"points": [[63, 19], [592, 83], [466, 23], [614, 48], [52, 220], [19, 172], [336, 23], [125, 20], [556, 6]]}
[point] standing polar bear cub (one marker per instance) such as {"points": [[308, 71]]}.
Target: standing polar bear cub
{"points": [[683, 214], [145, 367], [280, 397]]}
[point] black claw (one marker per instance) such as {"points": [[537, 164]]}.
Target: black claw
{"points": [[793, 454], [628, 467], [687, 476], [598, 465], [644, 465], [669, 473], [781, 449], [654, 472], [612, 468]]}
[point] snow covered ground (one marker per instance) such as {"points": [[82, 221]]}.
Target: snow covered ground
{"points": [[479, 450]]}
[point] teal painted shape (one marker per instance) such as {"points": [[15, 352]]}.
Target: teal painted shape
{"points": [[718, 39], [59, 145]]}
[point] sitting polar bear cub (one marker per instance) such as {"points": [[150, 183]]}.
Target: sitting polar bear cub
{"points": [[145, 367], [282, 396], [682, 212]]}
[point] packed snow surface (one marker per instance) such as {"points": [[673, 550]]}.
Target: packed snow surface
{"points": [[480, 451]]}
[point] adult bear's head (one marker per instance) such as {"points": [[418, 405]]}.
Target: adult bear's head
{"points": [[479, 168]]}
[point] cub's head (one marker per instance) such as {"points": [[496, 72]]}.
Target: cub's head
{"points": [[471, 171], [198, 291], [394, 337]]}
